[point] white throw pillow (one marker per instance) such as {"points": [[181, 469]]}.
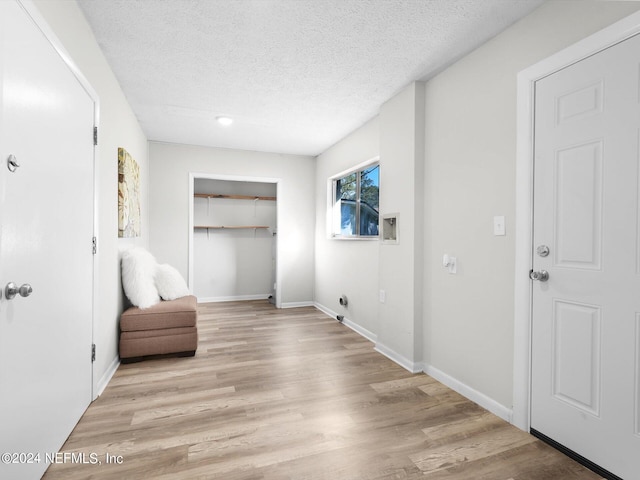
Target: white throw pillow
{"points": [[170, 283], [138, 271]]}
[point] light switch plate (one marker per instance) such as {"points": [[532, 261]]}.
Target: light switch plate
{"points": [[453, 265], [499, 226]]}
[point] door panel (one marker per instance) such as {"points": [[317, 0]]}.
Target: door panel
{"points": [[576, 355], [585, 346], [46, 229], [578, 208], [576, 104]]}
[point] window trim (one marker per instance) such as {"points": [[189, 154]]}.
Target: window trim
{"points": [[331, 195]]}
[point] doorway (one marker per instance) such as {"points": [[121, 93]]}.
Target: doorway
{"points": [[233, 246], [576, 331], [47, 233]]}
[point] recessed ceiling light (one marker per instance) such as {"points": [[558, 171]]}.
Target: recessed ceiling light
{"points": [[226, 121]]}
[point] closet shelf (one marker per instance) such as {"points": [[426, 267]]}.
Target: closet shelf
{"points": [[236, 197], [231, 227]]}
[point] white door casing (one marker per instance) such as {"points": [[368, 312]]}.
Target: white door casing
{"points": [[46, 231], [585, 317], [527, 79], [239, 178]]}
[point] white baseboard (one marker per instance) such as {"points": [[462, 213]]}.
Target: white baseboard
{"points": [[416, 367], [233, 298], [326, 310], [399, 359], [296, 304], [372, 337], [106, 378], [466, 391]]}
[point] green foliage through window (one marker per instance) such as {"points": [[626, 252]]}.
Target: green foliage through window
{"points": [[356, 203]]}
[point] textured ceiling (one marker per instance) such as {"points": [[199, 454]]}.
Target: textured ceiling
{"points": [[295, 75]]}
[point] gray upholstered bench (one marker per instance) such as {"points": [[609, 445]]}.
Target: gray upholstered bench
{"points": [[166, 327]]}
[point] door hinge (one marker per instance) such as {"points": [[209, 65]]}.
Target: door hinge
{"points": [[94, 245], [95, 135], [93, 352]]}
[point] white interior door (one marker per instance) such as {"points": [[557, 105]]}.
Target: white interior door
{"points": [[46, 231], [586, 316]]}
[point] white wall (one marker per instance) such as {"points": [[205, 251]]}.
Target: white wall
{"points": [[470, 177], [170, 166], [118, 128], [234, 264], [360, 269], [401, 267], [348, 267], [460, 326]]}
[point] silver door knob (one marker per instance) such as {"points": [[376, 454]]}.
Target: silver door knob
{"points": [[11, 290], [25, 290], [543, 250], [12, 163], [541, 276]]}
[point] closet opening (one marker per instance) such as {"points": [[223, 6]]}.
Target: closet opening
{"points": [[233, 241]]}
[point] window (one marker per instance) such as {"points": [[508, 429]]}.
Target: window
{"points": [[356, 203]]}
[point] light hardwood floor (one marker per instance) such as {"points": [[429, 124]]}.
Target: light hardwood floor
{"points": [[293, 394]]}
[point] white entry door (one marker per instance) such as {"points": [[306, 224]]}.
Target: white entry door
{"points": [[586, 315], [46, 231]]}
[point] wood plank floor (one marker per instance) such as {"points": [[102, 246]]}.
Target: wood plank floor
{"points": [[293, 394]]}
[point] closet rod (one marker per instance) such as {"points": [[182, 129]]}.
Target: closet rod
{"points": [[231, 227], [236, 197]]}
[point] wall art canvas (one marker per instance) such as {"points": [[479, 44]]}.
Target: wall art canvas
{"points": [[128, 195]]}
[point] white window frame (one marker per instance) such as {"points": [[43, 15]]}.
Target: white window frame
{"points": [[333, 208]]}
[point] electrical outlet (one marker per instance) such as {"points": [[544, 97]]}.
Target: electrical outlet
{"points": [[383, 296]]}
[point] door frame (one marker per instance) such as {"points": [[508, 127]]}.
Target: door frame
{"points": [[615, 33], [32, 11], [240, 178]]}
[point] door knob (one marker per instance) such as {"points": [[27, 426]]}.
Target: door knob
{"points": [[12, 163], [11, 290], [542, 250], [25, 290], [541, 276]]}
